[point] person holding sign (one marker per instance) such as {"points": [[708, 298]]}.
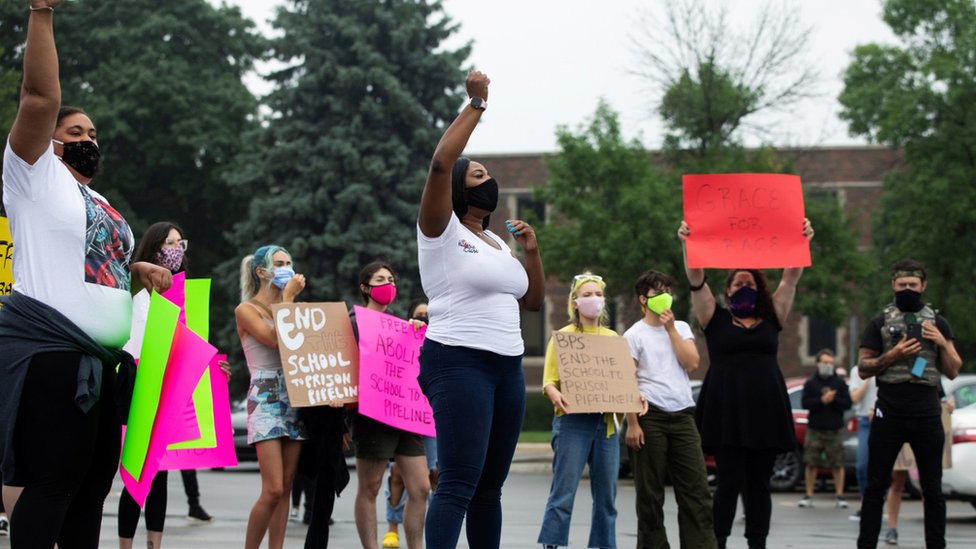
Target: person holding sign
{"points": [[665, 440], [162, 244], [378, 443], [273, 427], [743, 413], [581, 439], [63, 326], [471, 364]]}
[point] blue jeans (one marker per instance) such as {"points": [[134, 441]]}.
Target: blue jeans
{"points": [[577, 440], [478, 398], [863, 432]]}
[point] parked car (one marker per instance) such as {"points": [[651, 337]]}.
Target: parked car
{"points": [[959, 481]]}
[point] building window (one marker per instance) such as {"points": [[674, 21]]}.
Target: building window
{"points": [[820, 335]]}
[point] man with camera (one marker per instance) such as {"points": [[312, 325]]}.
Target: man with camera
{"points": [[906, 348]]}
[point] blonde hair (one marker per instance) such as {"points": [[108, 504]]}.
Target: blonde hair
{"points": [[574, 287], [261, 258]]}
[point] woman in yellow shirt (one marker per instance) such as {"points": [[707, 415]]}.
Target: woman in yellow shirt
{"points": [[581, 439]]}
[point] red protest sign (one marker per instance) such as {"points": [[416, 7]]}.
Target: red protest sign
{"points": [[747, 220]]}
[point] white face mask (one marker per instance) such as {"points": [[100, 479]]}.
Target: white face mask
{"points": [[590, 307], [825, 370]]}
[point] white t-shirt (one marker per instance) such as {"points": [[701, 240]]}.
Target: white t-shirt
{"points": [[72, 249], [473, 290], [662, 380], [863, 408]]}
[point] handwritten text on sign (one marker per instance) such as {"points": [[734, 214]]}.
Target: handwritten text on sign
{"points": [[6, 258], [388, 369], [596, 373], [745, 221], [318, 353]]}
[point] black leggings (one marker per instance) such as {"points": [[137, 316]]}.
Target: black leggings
{"points": [[745, 471], [155, 508], [65, 459]]}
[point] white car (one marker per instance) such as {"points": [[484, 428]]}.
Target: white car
{"points": [[959, 481]]}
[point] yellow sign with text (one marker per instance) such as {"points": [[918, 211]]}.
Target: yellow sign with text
{"points": [[6, 258]]}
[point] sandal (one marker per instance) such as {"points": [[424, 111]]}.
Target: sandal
{"points": [[391, 540]]}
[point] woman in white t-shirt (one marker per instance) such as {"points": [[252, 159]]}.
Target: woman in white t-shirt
{"points": [[64, 325], [471, 361]]}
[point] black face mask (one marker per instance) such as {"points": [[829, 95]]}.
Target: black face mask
{"points": [[422, 318], [908, 301], [83, 156], [484, 196]]}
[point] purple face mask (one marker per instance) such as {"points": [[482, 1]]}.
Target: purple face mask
{"points": [[171, 258], [742, 303]]}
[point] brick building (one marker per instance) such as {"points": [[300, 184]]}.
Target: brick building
{"points": [[853, 175]]}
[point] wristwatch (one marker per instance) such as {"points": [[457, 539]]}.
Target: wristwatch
{"points": [[479, 103]]}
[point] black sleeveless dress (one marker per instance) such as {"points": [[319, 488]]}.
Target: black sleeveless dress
{"points": [[743, 401]]}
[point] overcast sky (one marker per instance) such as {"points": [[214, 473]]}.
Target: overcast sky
{"points": [[551, 61]]}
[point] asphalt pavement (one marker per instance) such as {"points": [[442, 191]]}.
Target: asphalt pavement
{"points": [[228, 496]]}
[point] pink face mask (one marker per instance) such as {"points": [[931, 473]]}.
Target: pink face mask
{"points": [[384, 294], [171, 258], [590, 307]]}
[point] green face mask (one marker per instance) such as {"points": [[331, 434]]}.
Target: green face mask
{"points": [[660, 303]]}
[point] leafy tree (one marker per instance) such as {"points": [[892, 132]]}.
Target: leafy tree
{"points": [[365, 93], [716, 79], [613, 210], [919, 96]]}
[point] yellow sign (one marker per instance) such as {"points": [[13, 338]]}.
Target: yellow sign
{"points": [[6, 258]]}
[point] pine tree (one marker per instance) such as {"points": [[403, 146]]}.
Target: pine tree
{"points": [[365, 94]]}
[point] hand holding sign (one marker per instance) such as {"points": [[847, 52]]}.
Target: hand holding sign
{"points": [[318, 353], [744, 220]]}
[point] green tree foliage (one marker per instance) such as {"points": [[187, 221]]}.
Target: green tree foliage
{"points": [[365, 93], [919, 96], [163, 85], [616, 208], [613, 211]]}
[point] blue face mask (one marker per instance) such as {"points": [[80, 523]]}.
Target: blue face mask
{"points": [[282, 275]]}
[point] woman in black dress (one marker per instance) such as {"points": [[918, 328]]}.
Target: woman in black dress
{"points": [[743, 410]]}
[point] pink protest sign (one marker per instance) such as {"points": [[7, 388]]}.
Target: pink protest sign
{"points": [[221, 456], [745, 220], [176, 294], [188, 358], [388, 369]]}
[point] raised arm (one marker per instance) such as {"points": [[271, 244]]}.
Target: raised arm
{"points": [[786, 292], [436, 208], [40, 93], [702, 300]]}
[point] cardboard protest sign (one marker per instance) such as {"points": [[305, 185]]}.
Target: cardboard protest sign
{"points": [[596, 373], [388, 369], [223, 454], [319, 354], [6, 258], [745, 221]]}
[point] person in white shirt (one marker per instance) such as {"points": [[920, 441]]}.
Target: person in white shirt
{"points": [[665, 440], [73, 292], [471, 361]]}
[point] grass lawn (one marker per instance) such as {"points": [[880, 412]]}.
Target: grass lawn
{"points": [[535, 436]]}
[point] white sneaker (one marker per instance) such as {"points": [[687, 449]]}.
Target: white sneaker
{"points": [[805, 503], [4, 526]]}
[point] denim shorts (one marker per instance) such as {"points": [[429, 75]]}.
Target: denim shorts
{"points": [[269, 413]]}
